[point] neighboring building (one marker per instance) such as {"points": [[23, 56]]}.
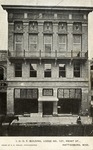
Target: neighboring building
{"points": [[47, 65], [91, 87], [3, 82]]}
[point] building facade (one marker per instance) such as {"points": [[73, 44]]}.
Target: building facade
{"points": [[47, 65], [3, 82]]}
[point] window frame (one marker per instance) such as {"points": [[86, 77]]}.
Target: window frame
{"points": [[62, 44], [33, 43], [33, 71], [62, 71], [46, 71], [18, 71], [75, 71]]}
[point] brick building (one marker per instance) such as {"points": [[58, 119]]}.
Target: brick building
{"points": [[47, 65]]}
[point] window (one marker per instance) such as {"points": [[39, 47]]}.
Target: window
{"points": [[32, 42], [18, 70], [1, 73], [26, 93], [62, 70], [62, 39], [76, 70], [47, 71], [48, 43], [77, 42], [91, 67], [33, 70], [47, 92], [18, 42]]}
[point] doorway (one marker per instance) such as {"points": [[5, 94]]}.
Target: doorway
{"points": [[47, 108]]}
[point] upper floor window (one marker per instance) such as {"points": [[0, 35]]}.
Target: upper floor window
{"points": [[18, 70], [33, 27], [47, 71], [91, 67], [33, 42], [18, 42], [48, 43], [77, 42], [62, 41], [76, 70], [33, 70], [62, 70]]}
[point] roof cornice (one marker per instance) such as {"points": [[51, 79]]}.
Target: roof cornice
{"points": [[32, 7]]}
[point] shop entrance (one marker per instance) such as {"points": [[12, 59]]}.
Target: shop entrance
{"points": [[69, 106], [22, 106], [2, 102], [47, 108]]}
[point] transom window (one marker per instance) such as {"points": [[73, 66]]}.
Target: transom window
{"points": [[47, 71], [62, 70], [33, 70]]}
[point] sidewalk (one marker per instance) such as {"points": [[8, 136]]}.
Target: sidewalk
{"points": [[50, 120]]}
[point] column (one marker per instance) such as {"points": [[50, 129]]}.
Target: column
{"points": [[25, 35], [84, 37], [40, 107], [55, 36], [10, 101], [40, 36], [11, 36], [55, 109], [70, 36], [84, 102]]}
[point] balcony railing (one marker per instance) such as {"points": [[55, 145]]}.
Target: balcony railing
{"points": [[48, 55]]}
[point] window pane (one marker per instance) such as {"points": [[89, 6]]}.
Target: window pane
{"points": [[18, 38], [62, 38], [33, 42], [17, 93], [33, 38], [23, 93], [62, 42], [77, 39], [48, 43]]}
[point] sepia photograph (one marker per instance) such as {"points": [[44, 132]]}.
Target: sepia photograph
{"points": [[46, 70]]}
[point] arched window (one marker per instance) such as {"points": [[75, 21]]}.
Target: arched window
{"points": [[1, 73]]}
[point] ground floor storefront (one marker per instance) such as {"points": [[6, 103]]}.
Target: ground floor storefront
{"points": [[47, 101]]}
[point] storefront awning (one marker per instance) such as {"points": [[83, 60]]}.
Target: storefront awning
{"points": [[48, 98]]}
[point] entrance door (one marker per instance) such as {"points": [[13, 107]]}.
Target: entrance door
{"points": [[47, 108]]}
